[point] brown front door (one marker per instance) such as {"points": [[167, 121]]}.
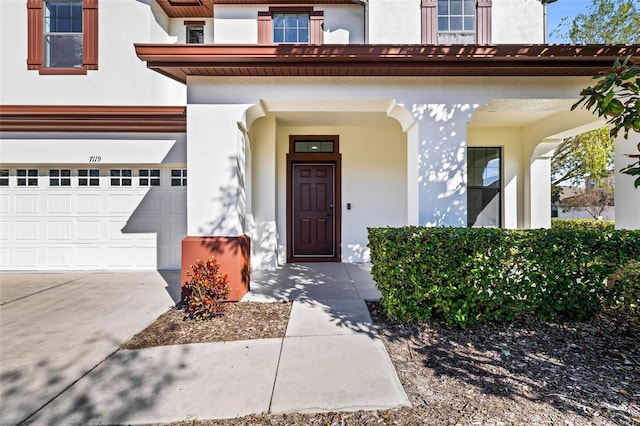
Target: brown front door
{"points": [[313, 210]]}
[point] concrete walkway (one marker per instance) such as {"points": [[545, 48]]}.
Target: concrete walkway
{"points": [[330, 359]]}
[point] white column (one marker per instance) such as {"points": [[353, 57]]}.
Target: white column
{"points": [[264, 246], [215, 163], [413, 180], [627, 198], [540, 192]]}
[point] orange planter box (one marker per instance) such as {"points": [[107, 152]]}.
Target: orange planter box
{"points": [[232, 253]]}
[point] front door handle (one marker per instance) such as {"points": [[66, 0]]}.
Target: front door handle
{"points": [[330, 210]]}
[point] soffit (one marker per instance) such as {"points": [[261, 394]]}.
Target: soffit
{"points": [[204, 8], [179, 61]]}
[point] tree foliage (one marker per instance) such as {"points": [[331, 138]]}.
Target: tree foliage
{"points": [[616, 96], [587, 154], [605, 22]]}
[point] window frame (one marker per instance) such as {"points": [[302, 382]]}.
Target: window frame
{"points": [[5, 175], [499, 187], [148, 178], [30, 178], [316, 21], [178, 178], [88, 179], [59, 178], [119, 179], [429, 13], [191, 26], [462, 16], [36, 34]]}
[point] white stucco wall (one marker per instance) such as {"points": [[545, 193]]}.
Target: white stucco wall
{"points": [[343, 24], [517, 21], [395, 21], [122, 78]]}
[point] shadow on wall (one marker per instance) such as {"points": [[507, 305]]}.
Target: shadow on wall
{"points": [[442, 163], [230, 202], [162, 213]]}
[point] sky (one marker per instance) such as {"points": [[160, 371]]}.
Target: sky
{"points": [[560, 9]]}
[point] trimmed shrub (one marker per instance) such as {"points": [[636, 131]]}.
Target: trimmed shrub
{"points": [[627, 291], [583, 224], [475, 275], [206, 289]]}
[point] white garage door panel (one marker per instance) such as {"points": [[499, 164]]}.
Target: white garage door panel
{"points": [[27, 203], [89, 227]]}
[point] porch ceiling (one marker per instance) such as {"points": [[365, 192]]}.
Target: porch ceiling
{"points": [[178, 61], [338, 119]]}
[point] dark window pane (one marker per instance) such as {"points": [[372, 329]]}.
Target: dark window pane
{"points": [[155, 182], [4, 172], [175, 172], [303, 36], [33, 182], [126, 182], [94, 172], [455, 23], [32, 172], [82, 182], [155, 173], [443, 24], [66, 182], [144, 182], [126, 173], [469, 23], [290, 35], [115, 182], [94, 182], [54, 173], [144, 172], [456, 7], [63, 51], [83, 172], [65, 172], [175, 182], [278, 21], [114, 172], [22, 172], [469, 7], [443, 7]]}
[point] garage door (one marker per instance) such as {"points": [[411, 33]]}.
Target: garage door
{"points": [[78, 217]]}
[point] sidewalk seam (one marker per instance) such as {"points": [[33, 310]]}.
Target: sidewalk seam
{"points": [[39, 291], [85, 374]]}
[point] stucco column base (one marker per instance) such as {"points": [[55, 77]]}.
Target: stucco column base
{"points": [[232, 253]]}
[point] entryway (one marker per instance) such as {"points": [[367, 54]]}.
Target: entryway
{"points": [[313, 199]]}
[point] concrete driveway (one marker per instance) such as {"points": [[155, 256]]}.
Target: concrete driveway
{"points": [[57, 327]]}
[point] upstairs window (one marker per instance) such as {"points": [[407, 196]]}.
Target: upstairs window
{"points": [[456, 21], [283, 25], [291, 28], [195, 32], [62, 36], [457, 16]]}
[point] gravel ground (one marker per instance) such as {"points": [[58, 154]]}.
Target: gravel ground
{"points": [[527, 372]]}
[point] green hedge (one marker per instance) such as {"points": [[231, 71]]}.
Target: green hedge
{"points": [[475, 275], [583, 224]]}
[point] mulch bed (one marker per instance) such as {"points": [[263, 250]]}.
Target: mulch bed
{"points": [[240, 321], [527, 372]]}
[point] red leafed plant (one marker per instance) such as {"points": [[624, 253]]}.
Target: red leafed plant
{"points": [[206, 289]]}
